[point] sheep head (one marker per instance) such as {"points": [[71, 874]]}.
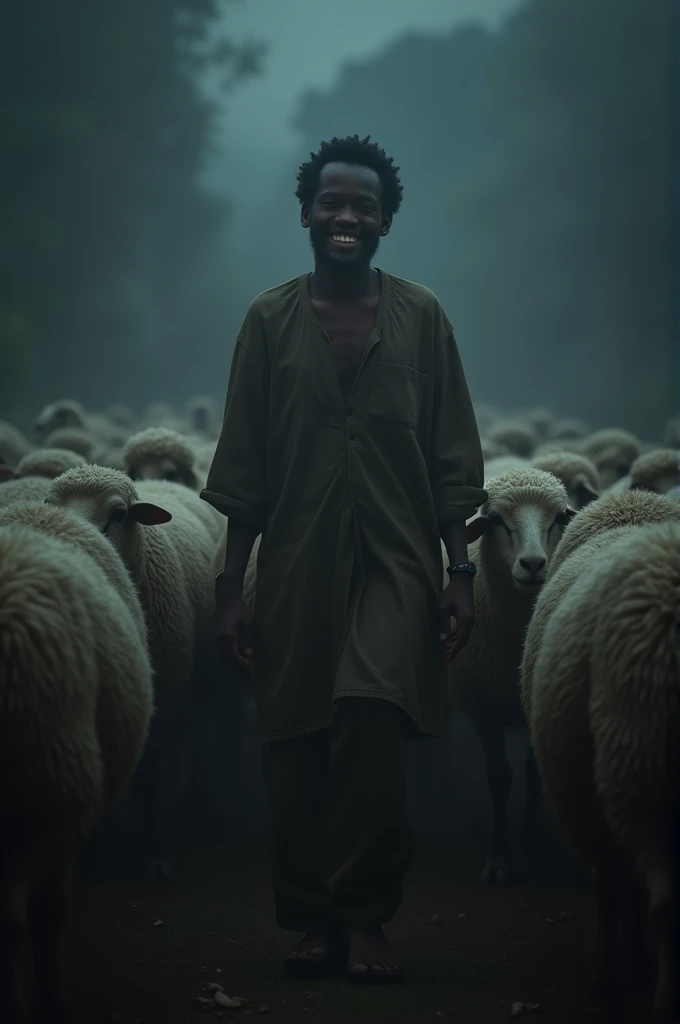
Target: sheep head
{"points": [[158, 453], [520, 526], [65, 413], [108, 499]]}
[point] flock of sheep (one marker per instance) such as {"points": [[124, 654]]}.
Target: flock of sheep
{"points": [[106, 636]]}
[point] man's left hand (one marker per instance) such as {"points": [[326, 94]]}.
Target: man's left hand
{"points": [[458, 602]]}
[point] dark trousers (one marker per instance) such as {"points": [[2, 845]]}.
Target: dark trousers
{"points": [[341, 840]]}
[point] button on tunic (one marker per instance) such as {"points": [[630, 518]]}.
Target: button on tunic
{"points": [[350, 498]]}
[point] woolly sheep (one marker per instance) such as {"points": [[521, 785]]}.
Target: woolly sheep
{"points": [[511, 569], [19, 489], [519, 438], [121, 415], [74, 714], [576, 472], [64, 413], [158, 453], [613, 451], [540, 419], [502, 464], [491, 450], [13, 444], [609, 512], [172, 569], [605, 723], [569, 430], [658, 470], [76, 439], [49, 462]]}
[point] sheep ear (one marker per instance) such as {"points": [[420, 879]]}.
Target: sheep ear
{"points": [[147, 514], [6, 473], [476, 527]]}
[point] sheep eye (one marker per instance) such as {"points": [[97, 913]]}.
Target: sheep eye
{"points": [[561, 519], [495, 519], [117, 516]]}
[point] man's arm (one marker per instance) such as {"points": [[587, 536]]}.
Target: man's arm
{"points": [[456, 463]]}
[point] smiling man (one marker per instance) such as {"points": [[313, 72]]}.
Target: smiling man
{"points": [[350, 444]]}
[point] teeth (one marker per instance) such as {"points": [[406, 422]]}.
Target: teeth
{"points": [[343, 238]]}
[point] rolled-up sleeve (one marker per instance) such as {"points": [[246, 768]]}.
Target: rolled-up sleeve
{"points": [[456, 464], [236, 483]]}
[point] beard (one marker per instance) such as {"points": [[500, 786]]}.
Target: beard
{"points": [[366, 250]]}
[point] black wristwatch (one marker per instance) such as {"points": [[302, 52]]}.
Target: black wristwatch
{"points": [[468, 567]]}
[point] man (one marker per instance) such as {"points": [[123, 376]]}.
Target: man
{"points": [[350, 444]]}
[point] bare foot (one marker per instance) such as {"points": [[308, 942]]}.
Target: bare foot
{"points": [[370, 956], [315, 954]]}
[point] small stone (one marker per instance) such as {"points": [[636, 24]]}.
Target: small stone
{"points": [[265, 1009], [436, 919], [157, 923], [550, 920], [462, 915]]}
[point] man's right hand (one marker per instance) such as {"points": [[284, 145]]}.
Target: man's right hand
{"points": [[233, 629]]}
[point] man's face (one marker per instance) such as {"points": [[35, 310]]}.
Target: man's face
{"points": [[345, 219]]}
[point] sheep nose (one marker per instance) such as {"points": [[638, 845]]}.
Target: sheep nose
{"points": [[533, 563]]}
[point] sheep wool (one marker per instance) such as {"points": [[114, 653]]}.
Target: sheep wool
{"points": [[25, 488], [605, 720], [613, 452], [76, 439], [159, 453], [657, 470], [49, 462], [75, 705], [518, 437], [13, 444], [578, 474]]}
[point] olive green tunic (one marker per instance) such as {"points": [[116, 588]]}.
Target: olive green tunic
{"points": [[350, 498]]}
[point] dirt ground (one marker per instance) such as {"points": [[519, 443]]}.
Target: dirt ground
{"points": [[136, 952]]}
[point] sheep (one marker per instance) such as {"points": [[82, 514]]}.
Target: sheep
{"points": [[610, 512], [519, 438], [613, 451], [172, 569], [657, 470], [203, 417], [604, 716], [15, 489], [76, 439], [75, 705], [64, 413], [158, 453], [13, 444], [121, 415], [511, 569], [49, 462], [671, 432], [496, 467], [569, 430], [577, 473], [540, 419], [491, 450]]}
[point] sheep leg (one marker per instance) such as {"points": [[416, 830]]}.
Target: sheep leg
{"points": [[531, 821], [14, 943], [602, 1001], [491, 733], [657, 872], [47, 913]]}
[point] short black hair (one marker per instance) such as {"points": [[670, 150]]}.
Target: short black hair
{"points": [[352, 150]]}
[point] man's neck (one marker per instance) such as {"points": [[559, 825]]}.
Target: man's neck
{"points": [[344, 286]]}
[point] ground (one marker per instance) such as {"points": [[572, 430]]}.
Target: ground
{"points": [[137, 952]]}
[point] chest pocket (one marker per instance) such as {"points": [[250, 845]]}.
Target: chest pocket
{"points": [[397, 394]]}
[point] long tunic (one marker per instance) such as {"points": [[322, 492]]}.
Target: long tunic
{"points": [[350, 496]]}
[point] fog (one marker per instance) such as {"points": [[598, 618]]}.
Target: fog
{"points": [[146, 203]]}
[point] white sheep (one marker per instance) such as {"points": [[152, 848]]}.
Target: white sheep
{"points": [[569, 430], [13, 444], [75, 704], [613, 451], [518, 437], [49, 462], [657, 470], [603, 701], [15, 489], [171, 564], [511, 541], [578, 474], [158, 453], [76, 439]]}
